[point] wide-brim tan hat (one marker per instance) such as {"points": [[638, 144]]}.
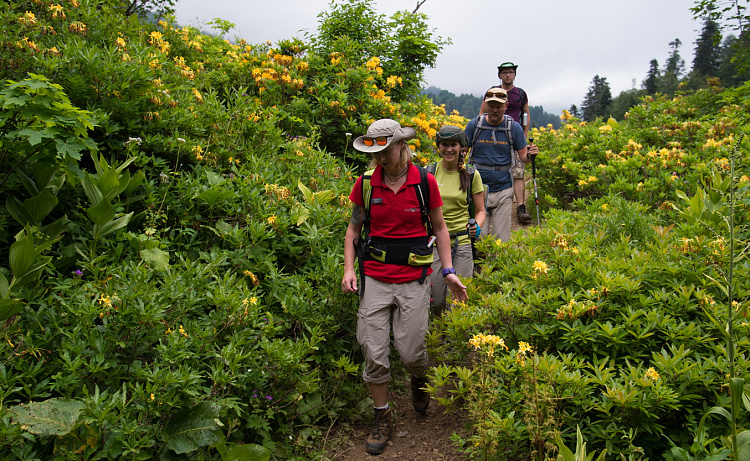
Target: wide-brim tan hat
{"points": [[386, 128]]}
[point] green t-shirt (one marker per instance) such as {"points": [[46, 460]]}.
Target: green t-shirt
{"points": [[455, 207]]}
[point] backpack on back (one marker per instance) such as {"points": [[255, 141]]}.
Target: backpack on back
{"points": [[506, 127]]}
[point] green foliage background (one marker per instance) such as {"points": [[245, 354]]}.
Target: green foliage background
{"points": [[172, 207]]}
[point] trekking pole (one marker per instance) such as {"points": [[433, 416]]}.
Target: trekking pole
{"points": [[472, 222], [536, 195]]}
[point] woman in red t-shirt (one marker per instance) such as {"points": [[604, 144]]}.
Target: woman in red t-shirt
{"points": [[395, 292]]}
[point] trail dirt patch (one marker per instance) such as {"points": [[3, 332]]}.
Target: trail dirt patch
{"points": [[414, 437]]}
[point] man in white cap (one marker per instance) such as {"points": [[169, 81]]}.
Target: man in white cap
{"points": [[492, 154]]}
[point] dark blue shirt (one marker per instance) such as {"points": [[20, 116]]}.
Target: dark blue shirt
{"points": [[485, 151]]}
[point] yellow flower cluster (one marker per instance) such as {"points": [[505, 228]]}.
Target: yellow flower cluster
{"points": [[605, 128], [28, 19], [540, 267], [574, 309], [652, 374], [268, 73], [394, 80], [198, 95], [26, 43], [718, 246], [687, 245], [157, 39], [185, 70], [279, 192], [523, 349], [585, 182], [488, 343], [429, 127], [106, 303], [560, 241], [121, 43], [283, 59], [57, 11], [566, 115], [373, 63], [253, 278], [252, 301]]}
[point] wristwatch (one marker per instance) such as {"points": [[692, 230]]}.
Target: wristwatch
{"points": [[448, 270]]}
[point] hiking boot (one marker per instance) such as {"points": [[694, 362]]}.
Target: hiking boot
{"points": [[420, 398], [381, 431], [522, 215]]}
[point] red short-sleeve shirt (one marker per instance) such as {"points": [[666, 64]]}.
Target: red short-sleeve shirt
{"points": [[398, 216]]}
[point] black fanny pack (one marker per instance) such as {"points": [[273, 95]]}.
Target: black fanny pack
{"points": [[403, 252]]}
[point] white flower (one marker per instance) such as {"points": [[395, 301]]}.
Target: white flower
{"points": [[181, 139]]}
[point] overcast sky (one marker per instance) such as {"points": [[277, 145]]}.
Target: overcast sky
{"points": [[559, 45]]}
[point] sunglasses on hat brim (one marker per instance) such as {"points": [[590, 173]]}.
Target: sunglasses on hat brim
{"points": [[496, 94], [380, 141]]}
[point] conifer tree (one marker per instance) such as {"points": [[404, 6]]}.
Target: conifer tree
{"points": [[707, 52], [674, 68], [597, 100], [651, 83]]}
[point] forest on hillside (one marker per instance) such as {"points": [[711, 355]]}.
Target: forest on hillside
{"points": [[468, 105], [720, 55]]}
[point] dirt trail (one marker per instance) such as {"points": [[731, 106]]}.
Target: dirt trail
{"points": [[415, 437]]}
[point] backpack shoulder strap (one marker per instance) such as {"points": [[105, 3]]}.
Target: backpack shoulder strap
{"points": [[477, 127], [524, 98], [470, 169], [431, 168], [422, 190], [366, 197], [509, 133]]}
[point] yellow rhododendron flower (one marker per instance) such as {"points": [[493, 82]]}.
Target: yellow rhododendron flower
{"points": [[540, 266], [652, 374]]}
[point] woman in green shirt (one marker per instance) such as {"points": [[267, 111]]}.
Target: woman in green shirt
{"points": [[459, 190]]}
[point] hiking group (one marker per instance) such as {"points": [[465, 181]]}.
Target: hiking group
{"points": [[412, 231]]}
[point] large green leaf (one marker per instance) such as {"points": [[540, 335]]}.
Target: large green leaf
{"points": [[193, 428], [32, 273], [112, 226], [4, 286], [156, 258], [56, 416], [17, 211], [39, 206], [10, 307], [249, 452], [215, 195], [102, 212], [743, 445], [92, 192], [22, 256]]}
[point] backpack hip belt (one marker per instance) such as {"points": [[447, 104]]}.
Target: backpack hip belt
{"points": [[505, 167]]}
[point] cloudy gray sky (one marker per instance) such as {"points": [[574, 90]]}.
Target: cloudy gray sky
{"points": [[559, 45]]}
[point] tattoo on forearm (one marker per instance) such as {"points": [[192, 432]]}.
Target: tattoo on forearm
{"points": [[358, 215]]}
